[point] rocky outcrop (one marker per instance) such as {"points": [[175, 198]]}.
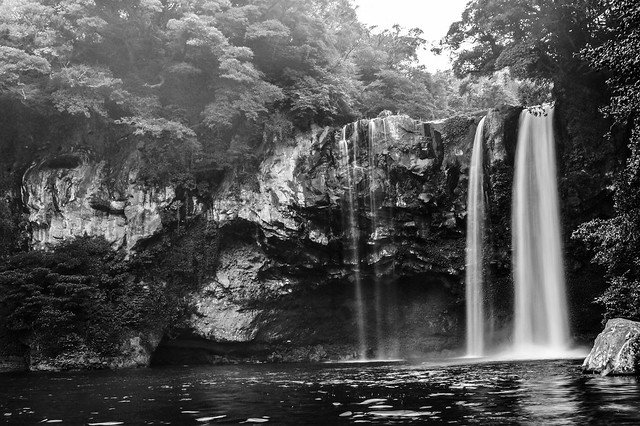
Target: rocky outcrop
{"points": [[616, 350], [71, 195], [287, 241], [135, 351], [265, 256]]}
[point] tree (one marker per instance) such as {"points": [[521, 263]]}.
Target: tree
{"points": [[616, 241], [538, 40]]}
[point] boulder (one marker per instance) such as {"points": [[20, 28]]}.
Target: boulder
{"points": [[616, 350]]}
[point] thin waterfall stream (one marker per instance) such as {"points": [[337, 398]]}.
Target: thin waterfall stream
{"points": [[475, 235], [541, 326], [380, 315], [373, 212], [353, 252]]}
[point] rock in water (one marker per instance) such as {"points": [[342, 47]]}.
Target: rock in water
{"points": [[616, 350]]}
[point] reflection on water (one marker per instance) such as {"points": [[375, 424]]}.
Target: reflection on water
{"points": [[536, 392]]}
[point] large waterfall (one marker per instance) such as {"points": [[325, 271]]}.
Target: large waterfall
{"points": [[541, 322], [475, 233], [353, 253]]}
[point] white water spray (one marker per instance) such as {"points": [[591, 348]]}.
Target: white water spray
{"points": [[541, 326], [475, 233]]}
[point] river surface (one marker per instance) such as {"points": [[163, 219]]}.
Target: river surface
{"points": [[531, 392]]}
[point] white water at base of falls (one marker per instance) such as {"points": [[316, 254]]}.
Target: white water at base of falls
{"points": [[475, 235], [541, 325]]}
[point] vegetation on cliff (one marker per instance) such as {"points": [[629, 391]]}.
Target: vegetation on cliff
{"points": [[616, 241], [534, 40], [82, 295]]}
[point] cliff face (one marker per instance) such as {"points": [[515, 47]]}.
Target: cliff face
{"points": [[286, 239], [69, 196], [272, 272]]}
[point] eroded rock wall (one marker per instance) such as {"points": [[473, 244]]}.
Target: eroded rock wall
{"points": [[69, 196]]}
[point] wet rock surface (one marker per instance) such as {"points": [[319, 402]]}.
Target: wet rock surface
{"points": [[616, 350]]}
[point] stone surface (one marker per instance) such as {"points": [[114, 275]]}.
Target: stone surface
{"points": [[271, 276], [616, 350], [74, 198]]}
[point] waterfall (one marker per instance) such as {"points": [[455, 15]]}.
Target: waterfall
{"points": [[541, 322], [475, 233], [353, 253], [373, 213]]}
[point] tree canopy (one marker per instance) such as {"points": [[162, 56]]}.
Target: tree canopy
{"points": [[535, 39], [206, 71]]}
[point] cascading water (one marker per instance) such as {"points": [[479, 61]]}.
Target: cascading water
{"points": [[541, 323], [353, 235], [373, 212], [475, 234]]}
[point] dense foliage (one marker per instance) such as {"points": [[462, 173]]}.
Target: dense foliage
{"points": [[80, 295], [539, 42], [616, 241], [535, 39], [223, 74]]}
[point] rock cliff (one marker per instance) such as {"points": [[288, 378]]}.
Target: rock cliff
{"points": [[69, 195], [284, 278], [266, 256]]}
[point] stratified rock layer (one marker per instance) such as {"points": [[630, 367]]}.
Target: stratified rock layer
{"points": [[616, 350]]}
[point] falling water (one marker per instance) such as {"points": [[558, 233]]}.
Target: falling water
{"points": [[373, 212], [354, 238], [475, 232], [541, 323]]}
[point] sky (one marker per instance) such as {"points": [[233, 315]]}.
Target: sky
{"points": [[431, 16]]}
